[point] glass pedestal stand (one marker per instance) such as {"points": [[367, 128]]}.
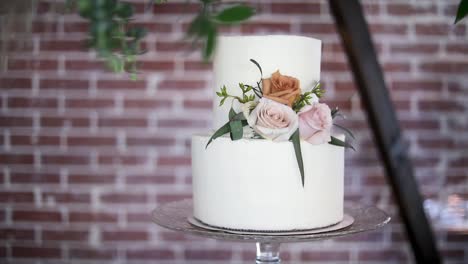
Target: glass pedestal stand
{"points": [[268, 252], [174, 217]]}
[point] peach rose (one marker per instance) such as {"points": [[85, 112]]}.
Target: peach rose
{"points": [[273, 120], [315, 123], [281, 88]]}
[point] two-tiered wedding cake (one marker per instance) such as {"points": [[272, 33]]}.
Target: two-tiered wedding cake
{"points": [[252, 178]]}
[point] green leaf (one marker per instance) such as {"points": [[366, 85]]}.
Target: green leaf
{"points": [[232, 114], [124, 10], [334, 112], [258, 66], [345, 130], [239, 116], [338, 142], [226, 128], [237, 130], [462, 10], [295, 138], [210, 43], [222, 101], [235, 14]]}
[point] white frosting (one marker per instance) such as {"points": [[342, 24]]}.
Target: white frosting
{"points": [[256, 184], [293, 55]]}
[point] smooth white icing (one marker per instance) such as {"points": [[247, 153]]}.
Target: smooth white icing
{"points": [[295, 56], [256, 184]]}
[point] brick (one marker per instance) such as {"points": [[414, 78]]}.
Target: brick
{"points": [[91, 178], [90, 217], [35, 252], [444, 67], [417, 85], [35, 140], [67, 197], [87, 141], [122, 122], [15, 121], [460, 162], [181, 123], [15, 83], [206, 254], [36, 216], [197, 66], [44, 27], [22, 102], [461, 49], [198, 104], [150, 179], [62, 45], [64, 160], [437, 143], [150, 254], [325, 255], [63, 84], [413, 49], [16, 197], [64, 235], [159, 27], [167, 198], [16, 159], [93, 253], [156, 66], [318, 28], [397, 9], [388, 29], [14, 233], [334, 67], [396, 67], [172, 46], [432, 29], [147, 104], [123, 198], [138, 218], [121, 84], [171, 84], [126, 235], [89, 103], [420, 124], [61, 121], [33, 64], [174, 160], [296, 8], [265, 27], [145, 141], [441, 105], [84, 65], [34, 178], [122, 159]]}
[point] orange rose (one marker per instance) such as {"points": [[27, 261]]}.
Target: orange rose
{"points": [[281, 88]]}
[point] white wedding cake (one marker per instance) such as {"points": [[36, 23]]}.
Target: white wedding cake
{"points": [[256, 182]]}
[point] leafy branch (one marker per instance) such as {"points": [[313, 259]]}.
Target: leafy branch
{"points": [[304, 99], [114, 38], [244, 99]]}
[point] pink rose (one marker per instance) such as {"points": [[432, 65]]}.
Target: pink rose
{"points": [[273, 120], [315, 122]]}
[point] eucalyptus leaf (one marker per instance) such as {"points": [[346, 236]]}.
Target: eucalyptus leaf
{"points": [[226, 128], [232, 114], [210, 43], [296, 140], [235, 14], [334, 112], [345, 130], [338, 142], [462, 11], [237, 130]]}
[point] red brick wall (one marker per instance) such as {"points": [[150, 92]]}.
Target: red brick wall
{"points": [[85, 154]]}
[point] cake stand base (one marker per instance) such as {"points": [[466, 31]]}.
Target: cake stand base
{"points": [[175, 215], [268, 252]]}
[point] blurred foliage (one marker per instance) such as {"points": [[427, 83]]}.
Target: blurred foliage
{"points": [[114, 38], [462, 10]]}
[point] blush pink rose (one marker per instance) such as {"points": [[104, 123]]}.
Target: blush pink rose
{"points": [[315, 123]]}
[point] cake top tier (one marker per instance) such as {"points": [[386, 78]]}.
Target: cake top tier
{"points": [[295, 56]]}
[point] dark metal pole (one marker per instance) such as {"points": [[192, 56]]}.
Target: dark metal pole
{"points": [[368, 75]]}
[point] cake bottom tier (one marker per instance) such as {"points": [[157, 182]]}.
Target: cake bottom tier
{"points": [[255, 184]]}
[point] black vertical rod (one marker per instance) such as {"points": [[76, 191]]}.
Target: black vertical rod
{"points": [[356, 40]]}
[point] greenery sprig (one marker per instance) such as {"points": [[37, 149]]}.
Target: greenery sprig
{"points": [[244, 99], [114, 38], [304, 99]]}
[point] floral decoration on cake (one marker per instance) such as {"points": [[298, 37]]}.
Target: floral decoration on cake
{"points": [[276, 109]]}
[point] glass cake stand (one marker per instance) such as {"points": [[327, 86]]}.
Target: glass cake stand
{"points": [[175, 215]]}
